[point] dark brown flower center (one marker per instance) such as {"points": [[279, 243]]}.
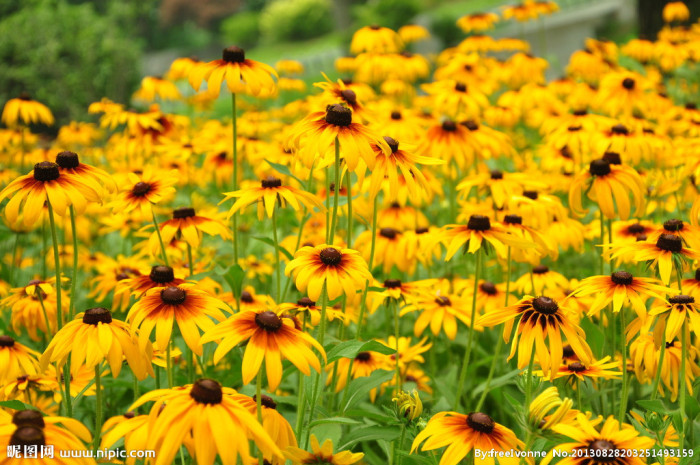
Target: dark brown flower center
{"points": [[207, 391], [27, 436], [396, 115], [393, 143], [28, 417], [581, 112], [46, 171], [271, 182], [481, 422], [599, 167], [488, 287], [673, 225], [305, 302], [338, 115], [185, 212], [622, 277], [24, 96], [461, 87], [681, 299], [247, 297], [602, 451], [269, 321], [93, 316], [67, 160], [389, 233], [330, 256], [392, 283], [140, 189], [363, 356], [545, 305], [635, 228], [479, 223], [233, 54], [533, 195], [619, 129], [576, 367], [471, 125], [449, 126], [6, 341], [422, 230], [349, 96], [566, 152], [697, 274], [443, 301], [628, 83], [568, 351], [613, 158], [162, 274], [540, 269], [496, 174], [513, 219], [129, 415], [691, 106], [670, 243], [266, 401], [173, 295]]}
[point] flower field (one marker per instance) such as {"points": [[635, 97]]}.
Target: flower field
{"points": [[431, 260]]}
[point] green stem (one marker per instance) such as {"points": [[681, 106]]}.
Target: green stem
{"points": [[348, 187], [234, 217], [258, 402], [47, 322], [657, 377], [98, 411], [23, 149], [396, 459], [135, 387], [57, 264], [578, 395], [278, 266], [602, 242], [395, 306], [625, 384], [190, 262], [363, 305], [74, 277], [467, 353], [682, 384], [336, 192], [160, 238], [300, 389], [15, 265], [169, 365], [317, 378]]}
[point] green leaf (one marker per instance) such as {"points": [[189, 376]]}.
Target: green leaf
{"points": [[692, 407], [655, 405], [500, 381], [334, 420], [269, 241], [350, 349], [370, 433], [17, 405], [234, 277], [282, 169], [359, 388]]}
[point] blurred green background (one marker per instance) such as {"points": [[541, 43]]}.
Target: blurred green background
{"points": [[69, 53]]}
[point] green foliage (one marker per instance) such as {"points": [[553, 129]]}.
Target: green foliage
{"points": [[388, 13], [242, 29], [66, 56], [444, 26], [296, 19]]}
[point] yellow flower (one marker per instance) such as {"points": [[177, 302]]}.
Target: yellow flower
{"points": [[548, 409], [25, 110], [409, 405], [321, 454]]}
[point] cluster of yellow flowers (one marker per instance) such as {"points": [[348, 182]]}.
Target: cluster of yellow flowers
{"points": [[466, 195]]}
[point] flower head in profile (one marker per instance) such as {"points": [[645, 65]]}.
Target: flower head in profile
{"points": [[16, 360], [675, 11], [409, 405], [479, 232], [322, 454], [340, 271], [465, 433], [210, 414], [190, 226], [375, 39], [270, 337], [548, 409], [26, 111], [242, 75], [477, 22], [674, 313]]}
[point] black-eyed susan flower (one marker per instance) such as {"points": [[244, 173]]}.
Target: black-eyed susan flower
{"points": [[548, 409], [440, 311], [160, 276], [190, 226], [34, 308], [242, 75], [602, 368], [153, 87], [316, 134], [675, 11], [409, 405], [132, 428], [94, 337], [477, 233], [539, 319], [322, 454], [16, 359], [308, 307], [674, 313], [590, 446], [375, 39], [69, 163], [271, 192], [269, 337], [273, 423], [606, 183], [144, 189], [26, 111], [161, 307], [208, 413], [688, 233], [340, 271], [544, 281], [364, 364], [465, 433], [45, 183], [411, 33], [477, 22], [620, 288]]}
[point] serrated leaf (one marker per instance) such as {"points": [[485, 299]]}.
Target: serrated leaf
{"points": [[269, 241], [370, 433], [282, 169], [350, 349], [359, 388]]}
